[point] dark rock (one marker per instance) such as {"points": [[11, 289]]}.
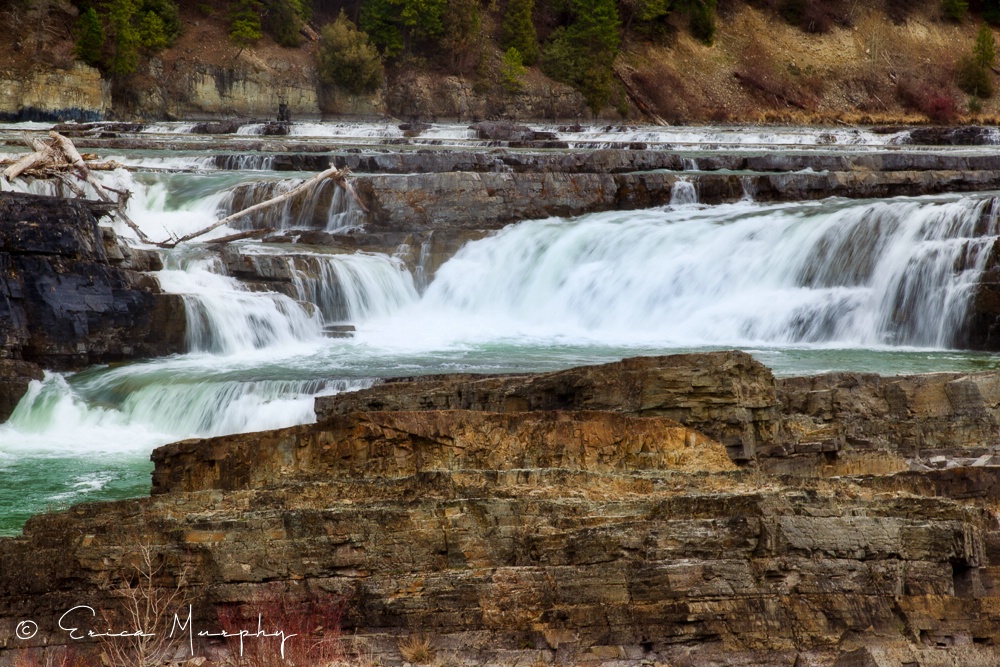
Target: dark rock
{"points": [[14, 379], [275, 129], [969, 135], [64, 303], [498, 130], [220, 127]]}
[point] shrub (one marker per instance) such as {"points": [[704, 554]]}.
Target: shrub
{"points": [[702, 21], [941, 108], [954, 10], [89, 37], [973, 78], [512, 71], [518, 30], [347, 58]]}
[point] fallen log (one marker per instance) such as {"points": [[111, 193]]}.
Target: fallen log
{"points": [[73, 157], [339, 176]]}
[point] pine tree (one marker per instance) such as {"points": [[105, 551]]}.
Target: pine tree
{"points": [[124, 35], [89, 37], [152, 32], [954, 10], [463, 39], [583, 54], [985, 49], [244, 24], [518, 30]]}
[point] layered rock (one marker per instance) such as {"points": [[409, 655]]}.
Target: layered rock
{"points": [[71, 294], [77, 93], [549, 518]]}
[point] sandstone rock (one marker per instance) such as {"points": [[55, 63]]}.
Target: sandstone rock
{"points": [[547, 523], [729, 396]]}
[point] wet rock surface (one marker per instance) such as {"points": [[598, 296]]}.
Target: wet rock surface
{"points": [[71, 294], [576, 517]]}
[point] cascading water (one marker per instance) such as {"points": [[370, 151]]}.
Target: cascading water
{"points": [[897, 273], [683, 192]]}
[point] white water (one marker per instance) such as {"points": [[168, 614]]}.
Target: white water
{"points": [[784, 280]]}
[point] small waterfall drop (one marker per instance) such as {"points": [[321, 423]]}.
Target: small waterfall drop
{"points": [[893, 273], [224, 318], [683, 192]]}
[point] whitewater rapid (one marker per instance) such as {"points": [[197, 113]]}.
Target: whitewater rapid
{"points": [[874, 285]]}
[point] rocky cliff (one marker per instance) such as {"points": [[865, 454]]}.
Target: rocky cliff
{"points": [[75, 93], [566, 517], [71, 295]]}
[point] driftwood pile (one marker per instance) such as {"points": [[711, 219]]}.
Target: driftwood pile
{"points": [[59, 160]]}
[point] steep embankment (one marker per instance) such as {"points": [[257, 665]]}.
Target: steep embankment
{"points": [[865, 66]]}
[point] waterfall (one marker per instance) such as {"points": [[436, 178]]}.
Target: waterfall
{"points": [[344, 213], [346, 288], [683, 192], [223, 317], [890, 273]]}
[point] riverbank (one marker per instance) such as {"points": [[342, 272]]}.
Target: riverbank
{"points": [[863, 65]]}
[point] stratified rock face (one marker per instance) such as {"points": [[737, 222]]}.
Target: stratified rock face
{"points": [[77, 93], [549, 518], [728, 396], [69, 294], [935, 419], [468, 200], [403, 444]]}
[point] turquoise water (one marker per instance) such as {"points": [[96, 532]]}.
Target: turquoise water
{"points": [[870, 286]]}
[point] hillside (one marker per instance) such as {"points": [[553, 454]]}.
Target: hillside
{"points": [[862, 62]]}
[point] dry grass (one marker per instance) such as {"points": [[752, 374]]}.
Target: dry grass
{"points": [[417, 649]]}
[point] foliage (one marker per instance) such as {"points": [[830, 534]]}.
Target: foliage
{"points": [[125, 36], [973, 78], [702, 20], [463, 38], [518, 30], [512, 71], [166, 12], [583, 53], [396, 26], [347, 59], [152, 32], [379, 23], [285, 19], [985, 49], [89, 37], [244, 23], [954, 10]]}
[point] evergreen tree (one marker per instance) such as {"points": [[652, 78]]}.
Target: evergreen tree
{"points": [[284, 20], [584, 53], [512, 71], [347, 59], [124, 36], [518, 30], [152, 32], [954, 10], [378, 21], [985, 49], [463, 39], [244, 24], [701, 14], [89, 37], [166, 11]]}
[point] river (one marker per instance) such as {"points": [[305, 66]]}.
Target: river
{"points": [[806, 287]]}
